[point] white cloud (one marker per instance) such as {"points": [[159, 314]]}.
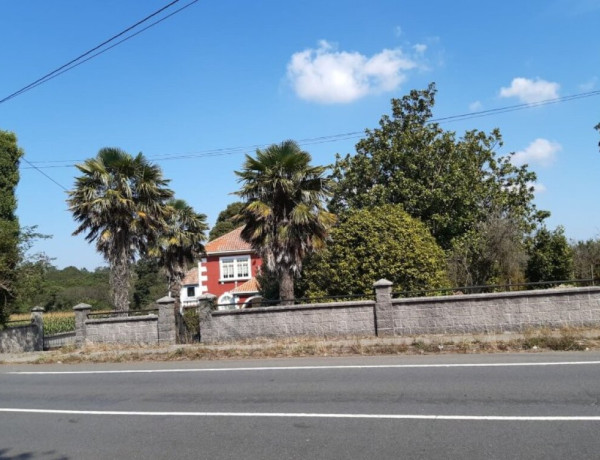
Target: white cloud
{"points": [[531, 91], [540, 151], [329, 76], [475, 106], [420, 48], [538, 187]]}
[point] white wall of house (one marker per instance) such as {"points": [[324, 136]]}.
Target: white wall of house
{"points": [[190, 292]]}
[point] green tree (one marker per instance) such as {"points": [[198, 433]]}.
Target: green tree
{"points": [[30, 271], [42, 284], [120, 202], [586, 259], [450, 183], [284, 214], [180, 243], [10, 155], [226, 221], [150, 282], [370, 244], [494, 252], [550, 256]]}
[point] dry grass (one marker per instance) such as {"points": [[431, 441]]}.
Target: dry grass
{"points": [[568, 339]]}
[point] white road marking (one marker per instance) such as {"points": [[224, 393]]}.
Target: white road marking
{"points": [[516, 418], [302, 368]]}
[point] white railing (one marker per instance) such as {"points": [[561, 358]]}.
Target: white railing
{"points": [[190, 302]]}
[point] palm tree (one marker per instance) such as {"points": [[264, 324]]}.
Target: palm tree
{"points": [[284, 215], [180, 243], [119, 200]]}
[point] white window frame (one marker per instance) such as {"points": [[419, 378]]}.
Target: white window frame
{"points": [[236, 260], [227, 301]]}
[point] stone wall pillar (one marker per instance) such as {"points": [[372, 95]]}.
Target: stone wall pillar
{"points": [[384, 321], [81, 313], [38, 320], [166, 320], [206, 304]]}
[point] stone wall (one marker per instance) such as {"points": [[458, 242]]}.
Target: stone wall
{"points": [[119, 328], [29, 337], [507, 311], [315, 320], [134, 329], [19, 339]]}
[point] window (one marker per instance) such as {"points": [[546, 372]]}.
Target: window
{"points": [[191, 291], [234, 268], [227, 302]]}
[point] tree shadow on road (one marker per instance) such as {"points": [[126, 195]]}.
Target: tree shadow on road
{"points": [[5, 454]]}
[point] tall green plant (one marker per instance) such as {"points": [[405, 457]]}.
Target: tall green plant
{"points": [[284, 213], [370, 244], [180, 243], [450, 183], [550, 256], [10, 155], [119, 202], [226, 221]]}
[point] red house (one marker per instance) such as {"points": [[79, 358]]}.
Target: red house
{"points": [[228, 271]]}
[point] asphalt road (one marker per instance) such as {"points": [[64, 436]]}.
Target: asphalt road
{"points": [[453, 406]]}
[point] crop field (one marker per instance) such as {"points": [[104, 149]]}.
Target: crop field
{"points": [[54, 322]]}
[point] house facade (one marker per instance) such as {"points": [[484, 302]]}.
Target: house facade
{"points": [[228, 270]]}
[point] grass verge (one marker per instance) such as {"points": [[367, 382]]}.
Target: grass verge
{"points": [[570, 339]]}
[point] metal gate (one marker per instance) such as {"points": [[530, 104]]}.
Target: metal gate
{"points": [[59, 340]]}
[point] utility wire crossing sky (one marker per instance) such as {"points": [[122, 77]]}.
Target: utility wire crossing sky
{"points": [[227, 73]]}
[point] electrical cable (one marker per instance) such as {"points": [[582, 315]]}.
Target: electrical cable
{"points": [[43, 173], [343, 136], [73, 62]]}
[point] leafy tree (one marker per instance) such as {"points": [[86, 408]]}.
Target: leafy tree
{"points": [[550, 257], [60, 289], [268, 284], [370, 244], [494, 252], [150, 282], [586, 259], [30, 271], [284, 214], [226, 221], [120, 202], [450, 183], [180, 243], [10, 155]]}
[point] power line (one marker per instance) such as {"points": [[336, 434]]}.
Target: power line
{"points": [[343, 136], [43, 173], [113, 45], [73, 62]]}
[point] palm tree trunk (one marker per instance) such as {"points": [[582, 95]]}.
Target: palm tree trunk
{"points": [[175, 280], [120, 281], [286, 287]]}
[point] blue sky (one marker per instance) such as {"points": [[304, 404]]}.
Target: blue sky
{"points": [[200, 89]]}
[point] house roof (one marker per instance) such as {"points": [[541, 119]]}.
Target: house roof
{"points": [[230, 242], [191, 277], [250, 286]]}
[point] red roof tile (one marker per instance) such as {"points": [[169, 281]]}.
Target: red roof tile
{"points": [[229, 242], [249, 286], [191, 277]]}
